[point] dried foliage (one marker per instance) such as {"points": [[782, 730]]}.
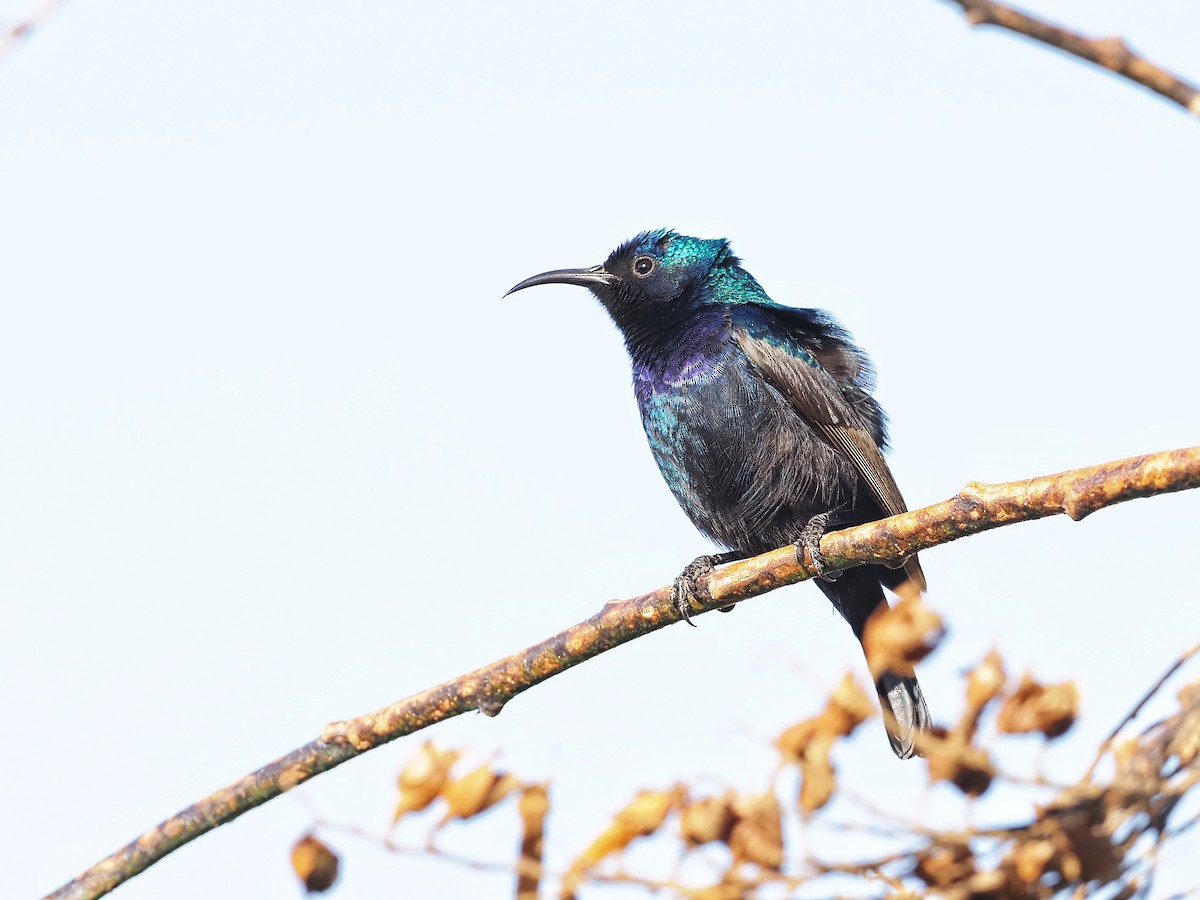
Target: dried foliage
{"points": [[898, 637], [953, 758], [976, 508], [476, 792], [641, 818], [424, 778], [808, 743], [1088, 836], [533, 807], [315, 864], [428, 777], [1097, 834], [1050, 709]]}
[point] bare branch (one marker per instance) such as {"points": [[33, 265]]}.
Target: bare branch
{"points": [[13, 34], [1109, 53], [976, 508], [1088, 837], [1137, 708]]}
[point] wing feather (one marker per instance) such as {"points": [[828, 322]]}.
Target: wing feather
{"points": [[812, 392]]}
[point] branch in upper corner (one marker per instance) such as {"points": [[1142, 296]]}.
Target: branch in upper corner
{"points": [[12, 34], [978, 507], [1109, 53]]}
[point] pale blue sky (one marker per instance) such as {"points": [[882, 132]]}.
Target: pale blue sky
{"points": [[259, 394]]}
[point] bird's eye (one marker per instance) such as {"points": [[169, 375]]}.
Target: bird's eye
{"points": [[643, 266]]}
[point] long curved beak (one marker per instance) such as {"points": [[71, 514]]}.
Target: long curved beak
{"points": [[592, 277]]}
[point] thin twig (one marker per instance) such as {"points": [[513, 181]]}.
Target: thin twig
{"points": [[325, 826], [1108, 53], [1137, 708], [13, 34], [978, 507]]}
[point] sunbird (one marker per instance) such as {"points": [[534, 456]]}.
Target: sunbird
{"points": [[761, 420]]}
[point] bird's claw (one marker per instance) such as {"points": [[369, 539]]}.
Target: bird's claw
{"points": [[810, 541], [686, 588]]}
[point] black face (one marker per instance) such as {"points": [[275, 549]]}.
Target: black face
{"points": [[660, 267], [655, 267]]}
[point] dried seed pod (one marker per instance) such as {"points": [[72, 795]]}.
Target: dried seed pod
{"points": [[951, 758], [423, 778], [1186, 742], [984, 684], [533, 807], [1050, 709], [818, 777], [706, 820], [1031, 859], [315, 863], [643, 817], [477, 791], [808, 743], [848, 707], [895, 638], [945, 864], [985, 681], [757, 835], [793, 743]]}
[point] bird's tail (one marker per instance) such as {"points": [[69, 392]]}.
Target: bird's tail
{"points": [[856, 595], [905, 714]]}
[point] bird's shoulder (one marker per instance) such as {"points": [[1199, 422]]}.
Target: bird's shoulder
{"points": [[808, 336]]}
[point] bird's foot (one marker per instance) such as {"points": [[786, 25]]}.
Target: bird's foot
{"points": [[685, 587], [810, 540]]}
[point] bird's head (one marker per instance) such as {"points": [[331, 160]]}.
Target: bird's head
{"points": [[654, 269]]}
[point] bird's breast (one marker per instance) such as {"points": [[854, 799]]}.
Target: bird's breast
{"points": [[738, 459]]}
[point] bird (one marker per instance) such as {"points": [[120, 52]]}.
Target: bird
{"points": [[761, 419]]}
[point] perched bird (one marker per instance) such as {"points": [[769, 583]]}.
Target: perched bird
{"points": [[761, 419]]}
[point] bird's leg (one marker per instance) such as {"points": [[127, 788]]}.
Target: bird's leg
{"points": [[685, 587], [810, 540]]}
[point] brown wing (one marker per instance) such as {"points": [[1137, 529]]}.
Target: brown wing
{"points": [[813, 394]]}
